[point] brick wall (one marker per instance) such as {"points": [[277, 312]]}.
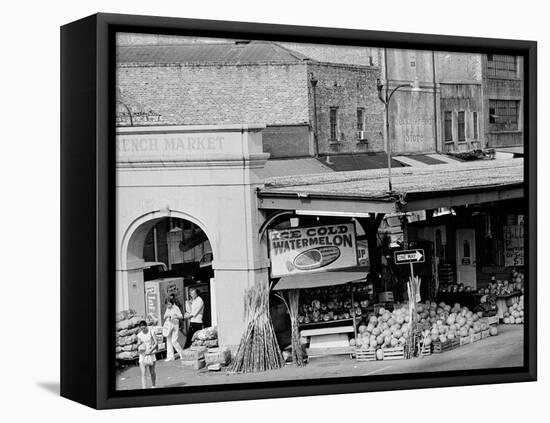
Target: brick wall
{"points": [[499, 88], [272, 94], [351, 55], [347, 88], [286, 141]]}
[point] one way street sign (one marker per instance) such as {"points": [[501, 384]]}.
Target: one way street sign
{"points": [[409, 256]]}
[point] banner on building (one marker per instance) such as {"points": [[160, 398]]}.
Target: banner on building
{"points": [[513, 245], [301, 250]]}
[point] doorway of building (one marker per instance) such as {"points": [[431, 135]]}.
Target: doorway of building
{"points": [[466, 257], [177, 252]]}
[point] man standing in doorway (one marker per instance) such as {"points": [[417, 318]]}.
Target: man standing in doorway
{"points": [[195, 310]]}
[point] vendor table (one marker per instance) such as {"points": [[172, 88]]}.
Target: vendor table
{"points": [[328, 341], [465, 299]]}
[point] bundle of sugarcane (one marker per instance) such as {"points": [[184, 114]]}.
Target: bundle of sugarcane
{"points": [[292, 307], [413, 290], [258, 350]]}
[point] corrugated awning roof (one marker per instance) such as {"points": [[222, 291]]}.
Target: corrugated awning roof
{"points": [[225, 53], [322, 278], [373, 184]]}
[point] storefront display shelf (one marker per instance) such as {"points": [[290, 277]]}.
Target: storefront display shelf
{"points": [[321, 352], [328, 322]]}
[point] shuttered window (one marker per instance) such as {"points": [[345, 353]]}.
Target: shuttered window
{"points": [[360, 119], [333, 123], [461, 127], [503, 115], [501, 66], [448, 122]]}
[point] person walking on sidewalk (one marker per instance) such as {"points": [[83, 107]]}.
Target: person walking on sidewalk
{"points": [[147, 345], [173, 314], [195, 310]]}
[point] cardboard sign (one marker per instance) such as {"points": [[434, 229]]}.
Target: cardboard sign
{"points": [[514, 245], [363, 252], [302, 250]]}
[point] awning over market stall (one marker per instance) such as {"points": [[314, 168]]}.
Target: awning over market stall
{"points": [[321, 278], [421, 188]]}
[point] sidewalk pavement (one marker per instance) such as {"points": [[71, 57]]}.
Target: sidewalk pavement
{"points": [[504, 350]]}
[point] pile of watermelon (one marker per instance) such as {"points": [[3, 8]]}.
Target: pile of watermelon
{"points": [[437, 322], [515, 314], [387, 329], [441, 322]]}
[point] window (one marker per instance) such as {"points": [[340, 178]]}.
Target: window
{"points": [[360, 119], [461, 127], [503, 115], [476, 130], [333, 124], [448, 118], [501, 66]]}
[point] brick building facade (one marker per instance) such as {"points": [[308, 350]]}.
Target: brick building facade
{"points": [[503, 100], [253, 82], [322, 100]]}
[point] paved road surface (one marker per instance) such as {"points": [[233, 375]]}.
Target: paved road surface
{"points": [[504, 350]]}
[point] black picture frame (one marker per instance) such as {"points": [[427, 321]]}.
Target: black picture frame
{"points": [[88, 212]]}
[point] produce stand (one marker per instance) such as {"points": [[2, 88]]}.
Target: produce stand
{"points": [[327, 337], [506, 300], [465, 299]]}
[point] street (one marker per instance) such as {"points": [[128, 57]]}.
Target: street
{"points": [[504, 350]]}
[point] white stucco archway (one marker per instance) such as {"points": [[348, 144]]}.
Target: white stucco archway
{"points": [[206, 175], [134, 237]]}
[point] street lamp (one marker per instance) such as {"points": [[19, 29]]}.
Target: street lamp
{"points": [[385, 96]]}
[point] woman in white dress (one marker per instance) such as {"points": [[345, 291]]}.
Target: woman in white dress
{"points": [[173, 314], [147, 345]]}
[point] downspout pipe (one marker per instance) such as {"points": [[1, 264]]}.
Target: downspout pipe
{"points": [[436, 132], [313, 82]]}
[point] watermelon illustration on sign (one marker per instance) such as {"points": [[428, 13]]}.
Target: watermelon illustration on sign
{"points": [[316, 258]]}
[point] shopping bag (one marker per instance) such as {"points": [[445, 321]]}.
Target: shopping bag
{"points": [[167, 328], [149, 359]]}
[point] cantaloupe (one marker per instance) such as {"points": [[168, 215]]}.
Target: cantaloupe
{"points": [[493, 331]]}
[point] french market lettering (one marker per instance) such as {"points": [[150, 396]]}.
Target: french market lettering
{"points": [[168, 143], [299, 250]]}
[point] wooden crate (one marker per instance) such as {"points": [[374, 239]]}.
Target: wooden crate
{"points": [[493, 320], [396, 353], [485, 334], [465, 340], [476, 337], [369, 354], [321, 352], [385, 297], [426, 350], [449, 344], [365, 354]]}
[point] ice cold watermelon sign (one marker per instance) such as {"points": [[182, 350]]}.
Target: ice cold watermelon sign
{"points": [[300, 250]]}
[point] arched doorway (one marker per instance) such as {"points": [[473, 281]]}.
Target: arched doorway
{"points": [[171, 252]]}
